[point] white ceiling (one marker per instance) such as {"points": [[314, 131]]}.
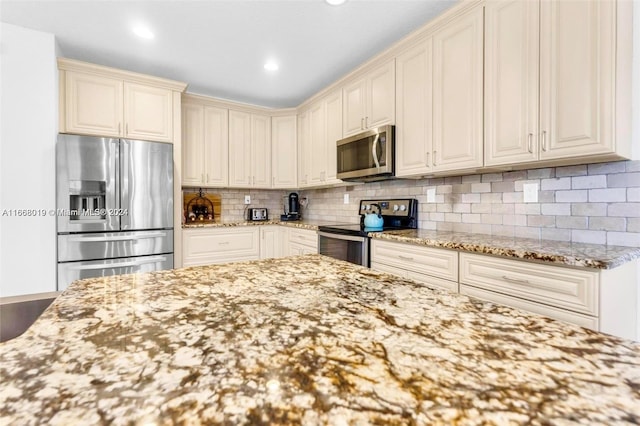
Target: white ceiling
{"points": [[219, 47]]}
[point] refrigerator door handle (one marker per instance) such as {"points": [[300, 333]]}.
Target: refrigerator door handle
{"points": [[93, 239], [125, 153], [123, 264], [115, 159]]}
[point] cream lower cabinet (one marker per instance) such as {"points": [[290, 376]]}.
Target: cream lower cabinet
{"points": [[220, 245], [301, 241], [101, 101], [602, 300], [205, 144], [551, 88], [437, 267], [272, 241]]}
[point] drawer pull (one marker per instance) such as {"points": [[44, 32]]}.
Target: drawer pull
{"points": [[515, 280], [223, 243], [410, 259]]}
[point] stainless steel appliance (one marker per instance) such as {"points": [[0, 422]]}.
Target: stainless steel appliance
{"points": [[291, 207], [367, 156], [257, 214], [351, 242], [115, 207]]}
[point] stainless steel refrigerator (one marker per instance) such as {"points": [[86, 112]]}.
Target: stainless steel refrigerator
{"points": [[114, 207]]}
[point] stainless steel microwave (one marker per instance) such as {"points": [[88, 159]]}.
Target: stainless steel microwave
{"points": [[367, 156]]}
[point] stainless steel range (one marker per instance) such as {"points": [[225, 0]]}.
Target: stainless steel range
{"points": [[351, 242]]}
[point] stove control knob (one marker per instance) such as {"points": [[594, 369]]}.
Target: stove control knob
{"points": [[367, 207], [403, 208], [395, 207], [363, 207]]}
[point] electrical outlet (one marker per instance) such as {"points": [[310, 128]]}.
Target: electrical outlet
{"points": [[530, 191], [346, 198], [247, 199], [431, 195]]}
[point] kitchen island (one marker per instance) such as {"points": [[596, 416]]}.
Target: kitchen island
{"points": [[306, 340]]}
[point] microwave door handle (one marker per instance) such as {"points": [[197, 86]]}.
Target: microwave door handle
{"points": [[374, 150]]}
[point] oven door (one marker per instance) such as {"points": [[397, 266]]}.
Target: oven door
{"points": [[350, 248]]}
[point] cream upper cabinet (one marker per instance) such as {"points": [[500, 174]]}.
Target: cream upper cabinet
{"points": [[577, 78], [550, 88], [320, 129], [261, 150], [148, 113], [458, 93], [414, 138], [284, 152], [304, 147], [93, 104], [249, 150], [205, 142], [369, 101], [102, 101]]}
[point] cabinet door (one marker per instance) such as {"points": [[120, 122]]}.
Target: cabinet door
{"points": [[381, 96], [511, 81], [209, 246], [261, 151], [353, 97], [577, 78], [457, 93], [333, 112], [317, 139], [192, 144], [148, 113], [304, 149], [415, 113], [240, 173], [93, 105], [270, 242], [284, 152], [216, 146]]}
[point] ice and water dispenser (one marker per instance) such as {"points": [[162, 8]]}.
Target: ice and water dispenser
{"points": [[87, 200]]}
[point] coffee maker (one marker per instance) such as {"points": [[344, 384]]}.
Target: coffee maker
{"points": [[291, 207]]}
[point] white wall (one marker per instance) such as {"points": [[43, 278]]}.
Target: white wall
{"points": [[28, 128]]}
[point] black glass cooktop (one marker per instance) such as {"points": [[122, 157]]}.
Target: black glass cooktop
{"points": [[355, 229]]}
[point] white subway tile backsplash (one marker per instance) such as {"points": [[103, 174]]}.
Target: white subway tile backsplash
{"points": [[555, 209], [588, 182], [512, 197], [470, 198], [480, 187], [541, 221], [623, 180], [519, 183], [591, 237], [623, 238], [515, 219], [555, 184], [555, 234], [541, 173], [633, 195], [526, 208], [572, 222], [571, 171], [494, 197], [526, 232], [491, 177], [572, 196], [503, 186], [471, 218], [608, 224], [633, 224], [609, 195], [606, 168], [480, 208], [589, 209], [624, 209]]}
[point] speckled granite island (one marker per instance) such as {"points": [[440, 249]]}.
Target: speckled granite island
{"points": [[306, 340]]}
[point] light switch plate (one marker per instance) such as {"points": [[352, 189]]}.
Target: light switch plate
{"points": [[247, 199], [530, 191], [346, 198], [431, 195]]}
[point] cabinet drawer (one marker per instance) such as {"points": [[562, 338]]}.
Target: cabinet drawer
{"points": [[416, 276], [537, 308], [202, 247], [572, 289], [424, 260], [304, 237]]}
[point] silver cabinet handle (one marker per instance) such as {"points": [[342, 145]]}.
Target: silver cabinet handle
{"points": [[410, 259], [544, 140], [362, 124], [426, 156], [223, 243], [515, 280], [207, 177], [202, 178], [366, 122], [248, 180], [126, 129], [273, 181], [119, 126], [254, 180], [529, 146], [108, 238], [434, 157]]}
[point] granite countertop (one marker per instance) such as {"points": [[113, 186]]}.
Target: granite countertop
{"points": [[306, 340], [303, 224], [555, 252]]}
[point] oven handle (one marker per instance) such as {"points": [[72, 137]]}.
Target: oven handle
{"points": [[374, 150], [341, 237]]}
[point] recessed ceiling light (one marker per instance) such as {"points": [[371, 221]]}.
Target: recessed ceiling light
{"points": [[335, 2], [271, 66], [143, 32]]}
